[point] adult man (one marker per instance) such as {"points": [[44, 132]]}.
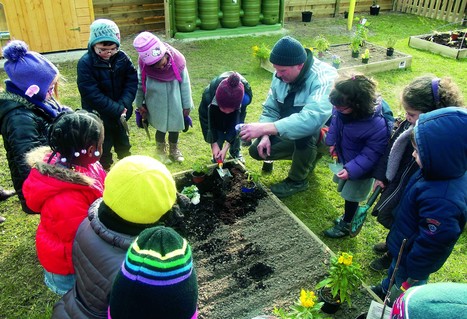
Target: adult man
{"points": [[296, 109]]}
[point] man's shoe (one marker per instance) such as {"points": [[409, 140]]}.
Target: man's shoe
{"points": [[338, 231], [239, 157], [288, 187], [5, 194], [380, 248], [378, 290], [381, 263]]}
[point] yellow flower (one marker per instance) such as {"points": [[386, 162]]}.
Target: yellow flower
{"points": [[255, 48], [307, 298], [341, 259]]}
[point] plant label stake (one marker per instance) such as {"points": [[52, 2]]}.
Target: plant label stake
{"points": [[359, 218]]}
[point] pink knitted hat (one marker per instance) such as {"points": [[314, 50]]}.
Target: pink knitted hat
{"points": [[149, 47], [229, 93]]}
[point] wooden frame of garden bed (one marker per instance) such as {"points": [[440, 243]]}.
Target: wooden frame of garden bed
{"points": [[399, 60], [418, 42]]}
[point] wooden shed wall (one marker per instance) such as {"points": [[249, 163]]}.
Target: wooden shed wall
{"points": [[132, 16], [326, 8]]}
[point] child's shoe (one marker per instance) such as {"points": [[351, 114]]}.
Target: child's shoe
{"points": [[381, 263], [161, 149], [338, 231], [175, 153]]}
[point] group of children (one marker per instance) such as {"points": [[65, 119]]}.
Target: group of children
{"points": [[414, 165]]}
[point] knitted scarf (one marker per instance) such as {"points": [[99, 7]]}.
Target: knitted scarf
{"points": [[170, 72]]}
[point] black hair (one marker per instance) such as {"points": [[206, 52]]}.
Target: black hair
{"points": [[357, 92], [108, 43], [73, 133]]}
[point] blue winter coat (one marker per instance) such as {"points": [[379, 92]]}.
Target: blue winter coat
{"points": [[433, 210], [107, 86], [359, 143]]}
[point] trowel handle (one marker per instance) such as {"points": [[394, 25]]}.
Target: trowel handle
{"points": [[373, 196]]}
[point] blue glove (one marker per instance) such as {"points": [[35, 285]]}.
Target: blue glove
{"points": [[188, 123]]}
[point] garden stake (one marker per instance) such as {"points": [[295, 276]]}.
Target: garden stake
{"points": [[393, 276]]}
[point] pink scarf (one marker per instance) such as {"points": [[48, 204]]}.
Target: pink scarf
{"points": [[170, 72]]}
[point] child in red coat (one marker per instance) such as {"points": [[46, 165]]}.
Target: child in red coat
{"points": [[64, 180]]}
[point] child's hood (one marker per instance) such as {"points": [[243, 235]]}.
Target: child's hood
{"points": [[38, 157], [441, 138]]}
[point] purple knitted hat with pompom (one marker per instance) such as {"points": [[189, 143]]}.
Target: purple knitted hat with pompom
{"points": [[28, 70], [229, 93]]}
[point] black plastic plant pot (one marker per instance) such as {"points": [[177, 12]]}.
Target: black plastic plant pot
{"points": [[389, 51], [346, 15], [330, 305], [362, 315], [355, 54], [306, 16], [374, 10]]}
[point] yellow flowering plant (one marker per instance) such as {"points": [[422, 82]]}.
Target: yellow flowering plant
{"points": [[344, 278], [366, 55], [306, 307], [261, 52]]}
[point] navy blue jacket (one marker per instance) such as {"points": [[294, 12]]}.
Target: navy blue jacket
{"points": [[433, 210], [107, 86]]}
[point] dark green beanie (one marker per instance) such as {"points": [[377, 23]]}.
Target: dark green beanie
{"points": [[287, 52]]}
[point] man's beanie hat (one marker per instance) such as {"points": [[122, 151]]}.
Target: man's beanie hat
{"points": [[287, 52], [139, 189], [149, 47], [28, 70], [103, 30], [229, 93], [157, 279]]}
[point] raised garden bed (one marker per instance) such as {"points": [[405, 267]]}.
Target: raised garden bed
{"points": [[378, 62], [251, 253], [442, 43]]}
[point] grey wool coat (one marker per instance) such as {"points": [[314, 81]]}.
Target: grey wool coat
{"points": [[165, 101]]}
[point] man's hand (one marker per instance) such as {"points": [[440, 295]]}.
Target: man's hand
{"points": [[264, 147], [254, 130]]}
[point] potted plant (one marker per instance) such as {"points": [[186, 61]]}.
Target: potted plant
{"points": [[344, 278], [374, 8], [390, 43], [252, 178], [336, 61], [192, 192], [307, 307], [321, 44], [355, 43], [199, 172], [366, 56], [306, 14]]}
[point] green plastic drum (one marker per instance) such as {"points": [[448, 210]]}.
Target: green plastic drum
{"points": [[208, 14], [251, 12], [186, 15], [230, 13], [270, 11]]}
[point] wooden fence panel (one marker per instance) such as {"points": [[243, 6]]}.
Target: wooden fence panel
{"points": [[132, 16], [447, 10]]}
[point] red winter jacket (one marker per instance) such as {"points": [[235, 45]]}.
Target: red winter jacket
{"points": [[62, 196]]}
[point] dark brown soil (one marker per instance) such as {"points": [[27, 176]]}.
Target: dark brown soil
{"points": [[250, 253], [456, 41]]}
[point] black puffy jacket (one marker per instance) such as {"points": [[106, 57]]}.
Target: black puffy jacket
{"points": [[24, 127], [107, 86]]}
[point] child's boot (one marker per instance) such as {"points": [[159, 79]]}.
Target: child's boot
{"points": [[175, 153], [161, 148]]}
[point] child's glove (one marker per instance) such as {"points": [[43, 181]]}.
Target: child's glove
{"points": [[139, 119], [188, 123]]}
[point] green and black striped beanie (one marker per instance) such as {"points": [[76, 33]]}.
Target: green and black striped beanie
{"points": [[157, 279]]}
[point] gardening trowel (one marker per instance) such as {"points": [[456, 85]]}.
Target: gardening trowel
{"points": [[146, 128], [224, 173], [360, 216], [335, 167]]}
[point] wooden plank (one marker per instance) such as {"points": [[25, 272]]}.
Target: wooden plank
{"points": [[119, 3]]}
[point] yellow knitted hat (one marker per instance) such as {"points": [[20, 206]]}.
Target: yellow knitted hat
{"points": [[140, 189]]}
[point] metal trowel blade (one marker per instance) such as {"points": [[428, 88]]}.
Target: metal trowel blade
{"points": [[336, 167], [224, 172]]}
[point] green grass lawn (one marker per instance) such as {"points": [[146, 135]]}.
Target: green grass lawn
{"points": [[22, 292]]}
